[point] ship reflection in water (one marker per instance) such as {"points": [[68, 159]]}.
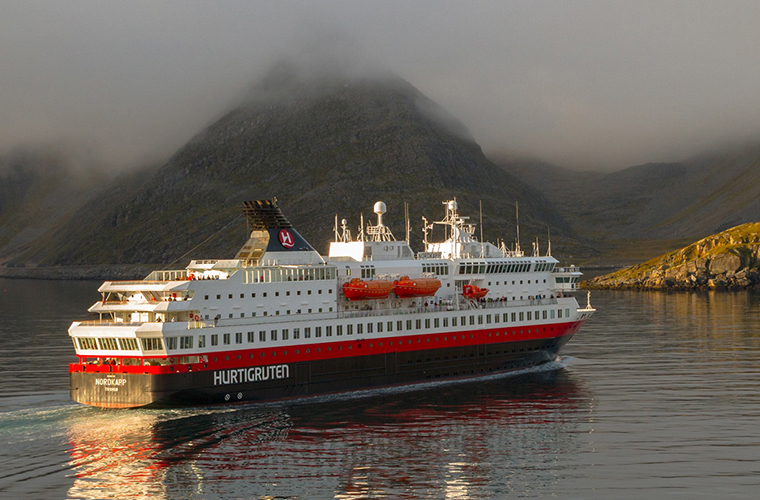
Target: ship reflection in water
{"points": [[491, 437]]}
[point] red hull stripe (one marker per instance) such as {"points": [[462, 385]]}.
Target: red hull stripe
{"points": [[348, 346]]}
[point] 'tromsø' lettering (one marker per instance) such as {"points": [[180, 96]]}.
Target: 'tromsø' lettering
{"points": [[254, 374]]}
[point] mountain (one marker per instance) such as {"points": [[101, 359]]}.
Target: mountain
{"points": [[40, 189], [329, 146], [655, 204], [730, 259]]}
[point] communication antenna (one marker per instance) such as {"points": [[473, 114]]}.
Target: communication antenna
{"points": [[517, 219], [337, 236], [408, 223], [549, 237], [361, 228], [482, 250]]}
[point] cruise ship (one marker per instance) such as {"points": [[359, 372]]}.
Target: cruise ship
{"points": [[282, 321]]}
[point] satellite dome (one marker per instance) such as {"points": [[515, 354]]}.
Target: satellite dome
{"points": [[379, 208]]}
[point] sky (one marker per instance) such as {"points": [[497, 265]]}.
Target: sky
{"points": [[591, 85]]}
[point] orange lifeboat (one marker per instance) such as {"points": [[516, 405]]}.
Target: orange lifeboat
{"points": [[358, 289], [418, 287], [474, 292]]}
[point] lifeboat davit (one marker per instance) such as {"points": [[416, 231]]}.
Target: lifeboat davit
{"points": [[358, 289], [474, 292], [418, 287]]}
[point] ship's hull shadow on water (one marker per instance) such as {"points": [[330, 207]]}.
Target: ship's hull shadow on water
{"points": [[152, 451]]}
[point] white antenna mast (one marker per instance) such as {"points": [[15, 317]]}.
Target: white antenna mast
{"points": [[408, 223], [549, 237], [482, 249], [517, 219]]}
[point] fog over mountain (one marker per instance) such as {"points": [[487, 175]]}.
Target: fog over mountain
{"points": [[584, 84]]}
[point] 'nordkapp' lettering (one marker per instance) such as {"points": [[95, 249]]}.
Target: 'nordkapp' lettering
{"points": [[255, 374]]}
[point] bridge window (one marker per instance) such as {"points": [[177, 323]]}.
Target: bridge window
{"points": [[87, 343], [152, 344]]}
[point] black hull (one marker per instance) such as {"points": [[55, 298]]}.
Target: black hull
{"points": [[299, 379]]}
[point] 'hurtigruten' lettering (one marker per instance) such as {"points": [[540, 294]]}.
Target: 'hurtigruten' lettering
{"points": [[255, 374]]}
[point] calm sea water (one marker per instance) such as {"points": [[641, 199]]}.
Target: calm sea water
{"points": [[658, 396]]}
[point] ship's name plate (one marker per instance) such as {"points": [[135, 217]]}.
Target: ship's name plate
{"points": [[254, 374], [111, 384]]}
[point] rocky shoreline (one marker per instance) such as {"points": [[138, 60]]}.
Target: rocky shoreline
{"points": [[728, 260]]}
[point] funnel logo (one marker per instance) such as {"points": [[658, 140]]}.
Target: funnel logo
{"points": [[286, 239]]}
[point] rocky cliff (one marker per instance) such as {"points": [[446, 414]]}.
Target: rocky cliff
{"points": [[730, 259]]}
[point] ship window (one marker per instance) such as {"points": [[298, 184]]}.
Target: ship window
{"points": [[128, 344], [436, 323], [551, 314], [149, 344], [496, 318], [464, 320], [339, 330], [218, 297], [262, 336], [253, 295], [298, 292], [488, 319], [273, 335], [171, 342], [214, 339], [328, 331], [514, 317], [276, 294], [230, 296], [265, 294], [427, 323], [186, 342], [409, 324], [544, 315], [399, 326], [445, 322], [201, 341], [379, 327], [205, 297], [358, 329], [318, 331], [529, 316], [567, 313], [369, 328], [251, 337], [454, 321], [91, 344], [286, 335], [296, 334], [242, 295], [418, 324], [522, 316], [472, 320], [238, 337], [480, 319], [226, 338], [307, 332]]}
